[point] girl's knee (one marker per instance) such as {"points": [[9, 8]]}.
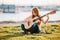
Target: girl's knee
{"points": [[22, 25]]}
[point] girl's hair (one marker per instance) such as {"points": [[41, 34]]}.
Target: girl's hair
{"points": [[35, 11]]}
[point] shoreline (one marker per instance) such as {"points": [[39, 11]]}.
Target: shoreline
{"points": [[18, 24]]}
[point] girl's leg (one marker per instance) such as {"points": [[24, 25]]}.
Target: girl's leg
{"points": [[23, 28], [35, 28]]}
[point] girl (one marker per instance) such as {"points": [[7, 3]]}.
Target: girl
{"points": [[30, 26]]}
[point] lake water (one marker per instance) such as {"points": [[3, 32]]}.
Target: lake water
{"points": [[20, 16]]}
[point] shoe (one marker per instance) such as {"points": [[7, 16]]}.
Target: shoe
{"points": [[28, 33]]}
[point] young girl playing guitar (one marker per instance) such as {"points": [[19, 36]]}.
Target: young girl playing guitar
{"points": [[30, 26]]}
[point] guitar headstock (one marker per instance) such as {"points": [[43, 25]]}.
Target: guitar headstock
{"points": [[52, 12]]}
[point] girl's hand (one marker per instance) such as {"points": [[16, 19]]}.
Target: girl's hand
{"points": [[34, 19]]}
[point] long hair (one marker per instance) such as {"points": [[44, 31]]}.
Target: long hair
{"points": [[35, 11]]}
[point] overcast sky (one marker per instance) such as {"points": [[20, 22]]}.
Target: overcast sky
{"points": [[31, 2]]}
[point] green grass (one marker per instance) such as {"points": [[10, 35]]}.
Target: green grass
{"points": [[16, 33]]}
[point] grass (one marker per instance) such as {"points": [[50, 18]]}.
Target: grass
{"points": [[16, 33]]}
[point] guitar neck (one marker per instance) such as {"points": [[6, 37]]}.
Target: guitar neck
{"points": [[44, 15], [52, 12], [41, 17]]}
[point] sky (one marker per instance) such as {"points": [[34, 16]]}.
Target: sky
{"points": [[31, 2]]}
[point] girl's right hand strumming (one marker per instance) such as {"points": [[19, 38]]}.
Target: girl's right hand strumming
{"points": [[34, 19]]}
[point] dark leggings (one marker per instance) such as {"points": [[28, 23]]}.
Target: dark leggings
{"points": [[33, 29]]}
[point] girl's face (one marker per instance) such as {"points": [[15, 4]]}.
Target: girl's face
{"points": [[34, 13]]}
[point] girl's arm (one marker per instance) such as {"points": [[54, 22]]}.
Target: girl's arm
{"points": [[46, 20]]}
